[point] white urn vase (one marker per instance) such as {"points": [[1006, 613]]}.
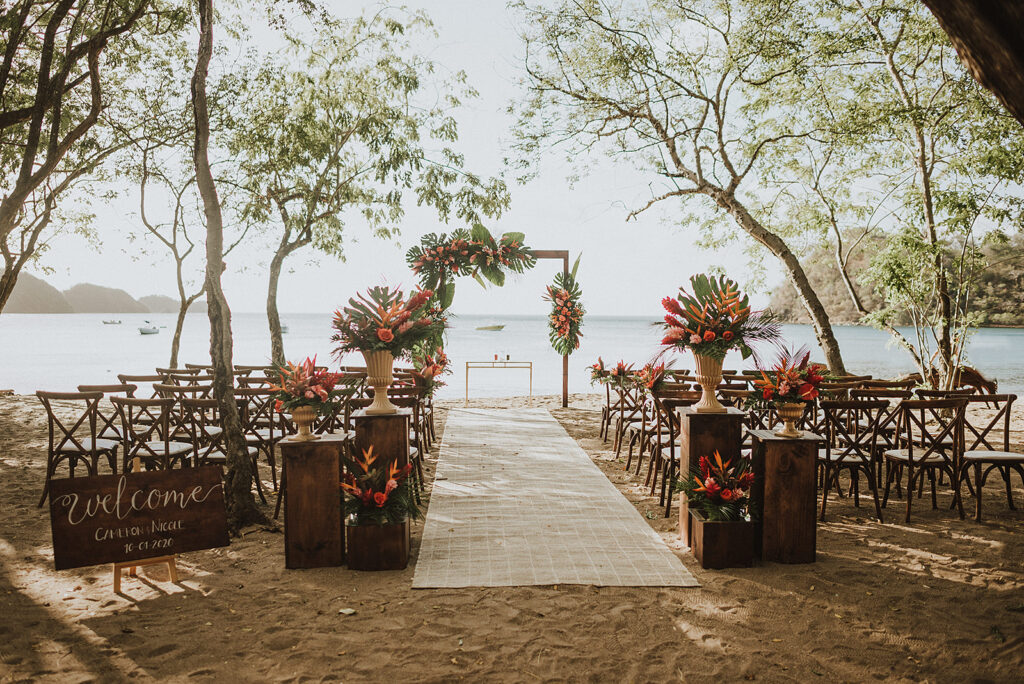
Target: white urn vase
{"points": [[378, 375]]}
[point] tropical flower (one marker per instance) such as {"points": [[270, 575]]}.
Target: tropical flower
{"points": [[304, 384], [566, 318], [380, 493], [715, 318], [382, 319], [719, 489], [793, 379]]}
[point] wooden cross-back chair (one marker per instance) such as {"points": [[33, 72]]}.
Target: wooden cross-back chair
{"points": [[138, 381], [166, 372], [926, 393], [640, 432], [669, 459], [889, 384], [262, 425], [630, 406], [74, 440], [930, 440], [149, 439], [206, 435], [888, 423], [851, 431], [199, 366], [108, 424], [188, 379], [254, 381], [985, 450]]}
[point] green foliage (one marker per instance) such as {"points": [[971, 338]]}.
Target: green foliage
{"points": [[565, 322], [342, 129], [438, 259]]}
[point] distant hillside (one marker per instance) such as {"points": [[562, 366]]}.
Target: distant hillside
{"points": [[996, 297], [33, 295], [164, 304], [89, 298], [824, 275]]}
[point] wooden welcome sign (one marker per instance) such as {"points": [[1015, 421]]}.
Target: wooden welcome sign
{"points": [[117, 518]]}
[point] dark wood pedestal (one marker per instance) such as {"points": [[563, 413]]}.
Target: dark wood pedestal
{"points": [[702, 434], [313, 507], [388, 434], [378, 547], [784, 496]]}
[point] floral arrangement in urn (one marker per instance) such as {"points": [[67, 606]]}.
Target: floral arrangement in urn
{"points": [[713, 319], [305, 391], [380, 493], [383, 324], [382, 319], [788, 385], [719, 490]]}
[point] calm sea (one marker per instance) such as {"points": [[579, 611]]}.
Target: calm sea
{"points": [[59, 352]]}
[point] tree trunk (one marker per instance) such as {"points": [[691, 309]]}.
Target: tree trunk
{"points": [[819, 317], [273, 318], [176, 340], [8, 279], [987, 36], [238, 484]]}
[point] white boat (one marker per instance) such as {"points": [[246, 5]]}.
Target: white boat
{"points": [[148, 329], [111, 322], [284, 329]]}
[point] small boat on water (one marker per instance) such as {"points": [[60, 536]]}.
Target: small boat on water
{"points": [[111, 322], [148, 329], [491, 327], [284, 329]]}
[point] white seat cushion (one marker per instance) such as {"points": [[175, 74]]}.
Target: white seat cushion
{"points": [[173, 448], [901, 455], [979, 455], [837, 456], [101, 445]]}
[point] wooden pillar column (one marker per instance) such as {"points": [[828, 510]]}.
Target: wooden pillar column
{"points": [[313, 505], [702, 434], [388, 434], [784, 496]]}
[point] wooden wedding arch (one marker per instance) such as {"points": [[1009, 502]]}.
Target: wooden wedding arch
{"points": [[562, 254]]}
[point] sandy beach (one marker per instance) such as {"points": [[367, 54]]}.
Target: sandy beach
{"points": [[937, 600]]}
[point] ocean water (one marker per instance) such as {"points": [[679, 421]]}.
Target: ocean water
{"points": [[61, 351]]}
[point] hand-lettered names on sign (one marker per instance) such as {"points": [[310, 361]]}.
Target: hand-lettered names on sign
{"points": [[117, 518]]}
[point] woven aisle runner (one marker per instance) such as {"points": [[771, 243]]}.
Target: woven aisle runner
{"points": [[520, 503]]}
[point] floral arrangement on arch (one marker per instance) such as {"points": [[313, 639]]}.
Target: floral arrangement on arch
{"points": [[792, 380], [719, 490], [380, 492], [566, 318], [383, 319], [304, 384], [428, 369], [715, 318], [476, 253]]}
